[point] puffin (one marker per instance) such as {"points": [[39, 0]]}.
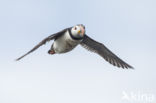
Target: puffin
{"points": [[67, 39]]}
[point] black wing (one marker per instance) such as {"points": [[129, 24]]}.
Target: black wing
{"points": [[103, 51], [53, 36]]}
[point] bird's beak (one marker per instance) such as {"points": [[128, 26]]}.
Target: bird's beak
{"points": [[79, 32]]}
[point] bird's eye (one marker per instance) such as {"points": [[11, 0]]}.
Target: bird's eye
{"points": [[75, 28]]}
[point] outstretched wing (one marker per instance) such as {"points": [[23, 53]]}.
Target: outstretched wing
{"points": [[51, 37], [103, 51]]}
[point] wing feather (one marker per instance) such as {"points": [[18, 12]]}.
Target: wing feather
{"points": [[103, 51], [51, 37]]}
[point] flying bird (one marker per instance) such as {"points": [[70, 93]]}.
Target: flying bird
{"points": [[67, 39]]}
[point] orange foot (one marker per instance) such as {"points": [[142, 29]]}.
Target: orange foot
{"points": [[51, 52]]}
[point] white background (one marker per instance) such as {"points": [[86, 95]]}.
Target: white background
{"points": [[126, 27]]}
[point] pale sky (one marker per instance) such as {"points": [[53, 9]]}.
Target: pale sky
{"points": [[126, 27]]}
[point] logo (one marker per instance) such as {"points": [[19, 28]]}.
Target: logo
{"points": [[141, 97]]}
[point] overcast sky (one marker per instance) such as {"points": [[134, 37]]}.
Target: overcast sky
{"points": [[126, 27]]}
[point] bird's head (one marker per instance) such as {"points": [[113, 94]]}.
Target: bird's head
{"points": [[78, 31]]}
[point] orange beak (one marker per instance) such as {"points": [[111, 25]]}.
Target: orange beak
{"points": [[82, 30]]}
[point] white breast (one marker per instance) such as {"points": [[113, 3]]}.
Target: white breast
{"points": [[65, 43]]}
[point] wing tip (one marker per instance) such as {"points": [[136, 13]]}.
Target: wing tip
{"points": [[20, 57], [127, 67], [17, 59], [130, 67]]}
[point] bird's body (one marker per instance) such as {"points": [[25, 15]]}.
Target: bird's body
{"points": [[69, 38], [64, 43]]}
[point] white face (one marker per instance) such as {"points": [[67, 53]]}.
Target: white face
{"points": [[78, 31]]}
